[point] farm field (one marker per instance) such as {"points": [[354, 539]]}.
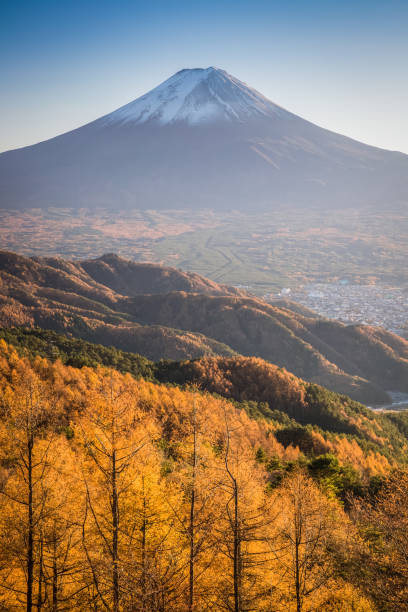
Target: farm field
{"points": [[264, 253]]}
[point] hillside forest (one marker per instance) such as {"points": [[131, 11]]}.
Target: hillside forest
{"points": [[165, 313], [124, 493]]}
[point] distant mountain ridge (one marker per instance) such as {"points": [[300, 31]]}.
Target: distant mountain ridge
{"points": [[134, 278], [179, 316], [201, 139], [110, 273]]}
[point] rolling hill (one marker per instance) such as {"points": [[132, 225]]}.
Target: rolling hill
{"points": [[197, 318]]}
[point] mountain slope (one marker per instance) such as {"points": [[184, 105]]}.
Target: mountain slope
{"points": [[264, 391], [104, 276], [327, 352], [197, 96], [362, 362], [201, 139], [63, 296]]}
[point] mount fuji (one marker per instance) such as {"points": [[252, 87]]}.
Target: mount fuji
{"points": [[201, 139]]}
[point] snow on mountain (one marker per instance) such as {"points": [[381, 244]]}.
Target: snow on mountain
{"points": [[198, 95], [201, 139]]}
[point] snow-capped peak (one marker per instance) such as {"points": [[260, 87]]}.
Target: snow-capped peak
{"points": [[198, 95]]}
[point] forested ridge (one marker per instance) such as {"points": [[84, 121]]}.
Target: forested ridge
{"points": [[162, 312], [126, 494], [310, 414]]}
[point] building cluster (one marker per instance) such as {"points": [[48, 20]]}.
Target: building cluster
{"points": [[367, 304]]}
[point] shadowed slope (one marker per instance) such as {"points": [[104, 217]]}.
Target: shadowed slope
{"points": [[362, 362]]}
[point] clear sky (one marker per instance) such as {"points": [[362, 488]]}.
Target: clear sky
{"points": [[342, 64]]}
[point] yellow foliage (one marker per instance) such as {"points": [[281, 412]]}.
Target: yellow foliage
{"points": [[128, 495]]}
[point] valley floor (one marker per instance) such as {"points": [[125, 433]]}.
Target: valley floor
{"points": [[346, 264], [286, 247]]}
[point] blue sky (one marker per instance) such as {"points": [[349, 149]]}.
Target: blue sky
{"points": [[341, 64]]}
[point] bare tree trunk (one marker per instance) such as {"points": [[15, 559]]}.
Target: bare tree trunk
{"points": [[54, 576], [40, 577], [144, 548], [115, 534], [30, 545], [298, 600], [192, 552], [192, 517], [237, 561], [298, 539], [237, 553]]}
